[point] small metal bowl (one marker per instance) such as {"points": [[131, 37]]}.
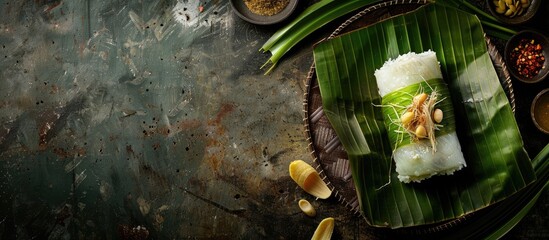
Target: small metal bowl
{"points": [[514, 42], [540, 111], [245, 14], [524, 17]]}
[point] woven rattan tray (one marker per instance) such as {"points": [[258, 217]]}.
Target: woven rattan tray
{"points": [[329, 156]]}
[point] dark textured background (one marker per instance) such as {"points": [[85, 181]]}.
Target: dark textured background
{"points": [[123, 115]]}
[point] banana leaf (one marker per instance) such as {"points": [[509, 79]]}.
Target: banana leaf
{"points": [[494, 222], [497, 163]]}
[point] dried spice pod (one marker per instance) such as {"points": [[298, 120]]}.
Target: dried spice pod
{"points": [[324, 230], [308, 179], [307, 207], [510, 8]]}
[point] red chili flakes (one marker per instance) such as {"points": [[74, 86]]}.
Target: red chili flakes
{"points": [[528, 58]]}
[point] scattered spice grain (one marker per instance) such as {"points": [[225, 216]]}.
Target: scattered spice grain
{"points": [[527, 58], [266, 7]]}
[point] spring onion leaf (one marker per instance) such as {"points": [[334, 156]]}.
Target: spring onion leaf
{"points": [[326, 11], [305, 16], [313, 18]]}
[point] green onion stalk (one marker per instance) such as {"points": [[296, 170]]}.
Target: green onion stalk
{"points": [[313, 18], [326, 11]]}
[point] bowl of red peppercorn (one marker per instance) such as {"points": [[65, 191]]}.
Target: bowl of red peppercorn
{"points": [[525, 56]]}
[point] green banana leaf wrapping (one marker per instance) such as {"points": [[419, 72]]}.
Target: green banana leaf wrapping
{"points": [[497, 164]]}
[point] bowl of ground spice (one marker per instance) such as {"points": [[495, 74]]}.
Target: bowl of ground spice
{"points": [[264, 12], [525, 56]]}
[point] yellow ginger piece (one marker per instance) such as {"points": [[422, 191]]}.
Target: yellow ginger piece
{"points": [[308, 179], [307, 208], [324, 230]]}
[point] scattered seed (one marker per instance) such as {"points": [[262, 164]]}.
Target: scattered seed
{"points": [[407, 118], [437, 115], [420, 99], [421, 132]]}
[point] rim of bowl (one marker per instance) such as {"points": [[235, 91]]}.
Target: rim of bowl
{"points": [[513, 41], [533, 107]]}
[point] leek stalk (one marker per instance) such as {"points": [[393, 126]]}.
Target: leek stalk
{"points": [[309, 13], [308, 22]]}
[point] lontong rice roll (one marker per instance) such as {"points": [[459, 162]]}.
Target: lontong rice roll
{"points": [[419, 117]]}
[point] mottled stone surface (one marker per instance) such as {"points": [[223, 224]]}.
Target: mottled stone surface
{"points": [[144, 113], [133, 119]]}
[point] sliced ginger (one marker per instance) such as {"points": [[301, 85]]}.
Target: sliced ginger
{"points": [[307, 207], [308, 179], [324, 230]]}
